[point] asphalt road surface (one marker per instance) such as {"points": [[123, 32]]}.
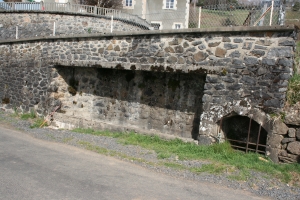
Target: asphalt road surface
{"points": [[36, 169]]}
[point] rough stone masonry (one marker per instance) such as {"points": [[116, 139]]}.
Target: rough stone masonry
{"points": [[180, 83]]}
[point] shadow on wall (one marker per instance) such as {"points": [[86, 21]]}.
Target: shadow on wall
{"points": [[167, 102], [236, 129]]}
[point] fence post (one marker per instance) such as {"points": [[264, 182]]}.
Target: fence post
{"points": [[261, 22], [17, 32], [53, 28], [199, 24], [95, 10], [13, 5], [281, 15], [112, 23], [271, 16]]}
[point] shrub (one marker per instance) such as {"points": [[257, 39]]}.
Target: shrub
{"points": [[296, 6], [293, 94], [228, 22]]}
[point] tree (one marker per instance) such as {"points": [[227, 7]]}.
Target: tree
{"points": [[296, 6], [115, 4]]}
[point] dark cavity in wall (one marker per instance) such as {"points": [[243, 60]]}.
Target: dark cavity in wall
{"points": [[73, 83], [5, 100], [174, 100], [238, 131]]}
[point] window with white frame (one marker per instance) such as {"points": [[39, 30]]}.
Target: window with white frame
{"points": [[128, 3], [170, 4], [177, 25]]}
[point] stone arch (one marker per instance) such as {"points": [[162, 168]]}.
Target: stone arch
{"points": [[244, 133], [273, 129]]}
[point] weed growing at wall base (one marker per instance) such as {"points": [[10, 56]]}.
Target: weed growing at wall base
{"points": [[221, 157], [26, 116]]}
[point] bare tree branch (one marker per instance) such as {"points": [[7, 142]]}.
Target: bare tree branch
{"points": [[115, 4]]}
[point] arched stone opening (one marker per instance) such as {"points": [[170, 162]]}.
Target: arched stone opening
{"points": [[244, 133]]}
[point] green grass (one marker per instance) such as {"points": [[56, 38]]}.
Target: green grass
{"points": [[292, 14], [174, 165], [297, 57], [210, 168], [37, 123], [26, 116], [68, 139], [293, 93], [221, 156], [94, 148], [216, 18], [242, 175], [100, 150]]}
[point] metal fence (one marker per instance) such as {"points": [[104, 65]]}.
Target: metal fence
{"points": [[76, 8], [221, 15], [237, 15], [224, 15]]}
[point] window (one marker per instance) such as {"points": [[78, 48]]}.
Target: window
{"points": [[156, 25], [128, 3], [170, 4], [177, 25]]}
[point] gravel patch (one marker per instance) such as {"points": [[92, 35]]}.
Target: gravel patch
{"points": [[257, 183]]}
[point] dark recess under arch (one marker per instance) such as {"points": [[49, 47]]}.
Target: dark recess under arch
{"points": [[244, 136]]}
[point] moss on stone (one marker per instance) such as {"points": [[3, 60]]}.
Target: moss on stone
{"points": [[173, 84]]}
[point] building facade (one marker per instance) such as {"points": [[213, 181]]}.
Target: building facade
{"points": [[162, 14]]}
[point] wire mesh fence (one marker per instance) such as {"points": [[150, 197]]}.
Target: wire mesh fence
{"points": [[265, 13], [237, 15], [221, 15]]}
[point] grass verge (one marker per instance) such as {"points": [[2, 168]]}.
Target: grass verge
{"points": [[221, 156], [26, 116], [293, 93]]}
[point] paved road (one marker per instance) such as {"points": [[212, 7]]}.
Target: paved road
{"points": [[36, 169]]}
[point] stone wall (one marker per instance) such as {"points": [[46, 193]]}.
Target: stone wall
{"points": [[246, 73], [24, 84], [42, 24], [168, 103]]}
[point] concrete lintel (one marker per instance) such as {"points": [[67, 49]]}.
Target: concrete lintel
{"points": [[183, 68]]}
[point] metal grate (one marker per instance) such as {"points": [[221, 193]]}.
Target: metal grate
{"points": [[247, 144]]}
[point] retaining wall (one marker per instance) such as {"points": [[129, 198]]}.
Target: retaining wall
{"points": [[196, 79], [40, 23]]}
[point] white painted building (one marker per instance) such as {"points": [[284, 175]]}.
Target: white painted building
{"points": [[162, 14]]}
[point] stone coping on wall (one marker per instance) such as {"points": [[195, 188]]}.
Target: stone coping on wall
{"points": [[221, 30]]}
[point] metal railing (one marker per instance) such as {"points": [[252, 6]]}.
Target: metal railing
{"points": [[221, 15], [76, 8]]}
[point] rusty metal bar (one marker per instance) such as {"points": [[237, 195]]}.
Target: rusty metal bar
{"points": [[239, 147], [248, 135], [257, 141], [261, 145]]}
